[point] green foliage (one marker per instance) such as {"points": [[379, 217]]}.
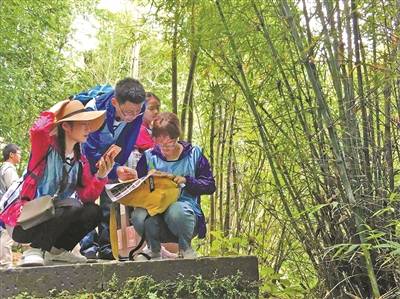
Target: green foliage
{"points": [[282, 192], [277, 285], [33, 67], [146, 287], [227, 246]]}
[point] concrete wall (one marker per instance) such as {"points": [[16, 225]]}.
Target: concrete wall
{"points": [[93, 277]]}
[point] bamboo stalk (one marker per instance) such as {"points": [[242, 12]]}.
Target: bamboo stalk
{"points": [[340, 163], [212, 160], [229, 175], [259, 123], [174, 64]]}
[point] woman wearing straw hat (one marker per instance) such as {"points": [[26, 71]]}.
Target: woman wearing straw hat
{"points": [[57, 168]]}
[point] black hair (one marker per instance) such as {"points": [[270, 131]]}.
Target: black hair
{"points": [[77, 155], [8, 149], [130, 90], [152, 95]]}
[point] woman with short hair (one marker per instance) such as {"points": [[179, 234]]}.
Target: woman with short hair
{"points": [[186, 165]]}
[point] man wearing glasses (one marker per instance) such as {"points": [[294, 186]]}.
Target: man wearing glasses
{"points": [[125, 108]]}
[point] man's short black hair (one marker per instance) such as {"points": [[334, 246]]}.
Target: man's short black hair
{"points": [[8, 149], [130, 90]]}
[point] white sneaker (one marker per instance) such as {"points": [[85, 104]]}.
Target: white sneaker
{"points": [[188, 253], [166, 255], [32, 257], [64, 257], [142, 258]]}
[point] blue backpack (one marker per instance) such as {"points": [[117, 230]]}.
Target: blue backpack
{"points": [[86, 96]]}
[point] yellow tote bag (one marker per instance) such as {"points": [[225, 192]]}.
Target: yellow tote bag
{"points": [[155, 194]]}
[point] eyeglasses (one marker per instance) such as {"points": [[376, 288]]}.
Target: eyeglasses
{"points": [[167, 145], [130, 112]]}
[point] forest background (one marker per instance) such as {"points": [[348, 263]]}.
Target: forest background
{"points": [[296, 104]]}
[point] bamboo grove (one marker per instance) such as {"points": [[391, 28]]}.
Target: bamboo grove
{"points": [[297, 106], [302, 119]]}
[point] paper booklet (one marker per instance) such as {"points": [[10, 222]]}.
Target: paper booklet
{"points": [[118, 190]]}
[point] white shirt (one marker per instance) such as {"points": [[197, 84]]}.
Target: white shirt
{"points": [[8, 175]]}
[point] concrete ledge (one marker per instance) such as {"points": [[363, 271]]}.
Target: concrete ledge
{"points": [[94, 277]]}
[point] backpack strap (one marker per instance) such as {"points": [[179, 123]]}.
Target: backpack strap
{"points": [[114, 237], [113, 232]]}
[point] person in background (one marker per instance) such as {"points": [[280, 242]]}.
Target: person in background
{"points": [[144, 140], [8, 171], [8, 175], [186, 165]]}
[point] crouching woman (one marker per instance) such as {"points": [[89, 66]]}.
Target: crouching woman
{"points": [[57, 168], [188, 167]]}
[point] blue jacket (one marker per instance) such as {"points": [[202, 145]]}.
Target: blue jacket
{"points": [[98, 142]]}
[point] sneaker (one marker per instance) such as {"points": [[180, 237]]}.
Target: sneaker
{"points": [[90, 254], [64, 257], [105, 255], [146, 252], [32, 257], [165, 254], [188, 254]]}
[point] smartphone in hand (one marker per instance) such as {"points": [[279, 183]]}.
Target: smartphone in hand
{"points": [[111, 152]]}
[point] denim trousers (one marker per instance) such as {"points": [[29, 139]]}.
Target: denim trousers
{"points": [[177, 224], [99, 242]]}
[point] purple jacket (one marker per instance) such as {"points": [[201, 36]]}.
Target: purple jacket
{"points": [[202, 183], [194, 166]]}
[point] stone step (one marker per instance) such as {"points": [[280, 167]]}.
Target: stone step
{"points": [[94, 277]]}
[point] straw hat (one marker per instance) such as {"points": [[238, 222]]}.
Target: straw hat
{"points": [[75, 111]]}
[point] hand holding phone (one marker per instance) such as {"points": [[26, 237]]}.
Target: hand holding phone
{"points": [[105, 165], [111, 153]]}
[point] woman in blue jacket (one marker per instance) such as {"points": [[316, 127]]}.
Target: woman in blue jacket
{"points": [[189, 168]]}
